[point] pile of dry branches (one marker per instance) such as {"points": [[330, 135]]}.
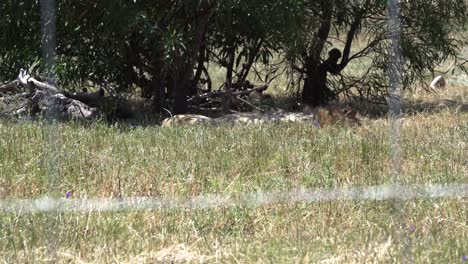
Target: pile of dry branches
{"points": [[28, 96]]}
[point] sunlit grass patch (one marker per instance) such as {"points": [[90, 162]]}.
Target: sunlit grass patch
{"points": [[337, 232], [102, 160]]}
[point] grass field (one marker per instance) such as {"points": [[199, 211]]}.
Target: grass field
{"points": [[39, 159], [98, 160]]}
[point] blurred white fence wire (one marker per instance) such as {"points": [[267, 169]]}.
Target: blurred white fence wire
{"points": [[213, 201]]}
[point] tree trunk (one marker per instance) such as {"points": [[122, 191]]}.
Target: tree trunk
{"points": [[311, 91], [186, 72], [230, 66], [253, 53], [159, 93], [180, 96], [201, 61]]}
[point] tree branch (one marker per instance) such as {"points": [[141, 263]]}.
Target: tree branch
{"points": [[25, 79]]}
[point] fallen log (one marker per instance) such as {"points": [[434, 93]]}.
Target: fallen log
{"points": [[227, 100], [42, 99], [219, 93], [92, 99], [56, 106], [28, 81], [11, 87]]}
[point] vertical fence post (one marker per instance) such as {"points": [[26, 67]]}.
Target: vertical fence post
{"points": [[50, 128], [395, 102]]}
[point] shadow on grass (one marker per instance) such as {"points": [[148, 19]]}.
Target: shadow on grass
{"points": [[434, 107], [131, 114], [120, 113], [410, 107]]}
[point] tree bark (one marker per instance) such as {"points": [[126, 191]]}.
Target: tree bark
{"points": [[159, 94], [181, 89], [11, 87], [248, 66], [92, 99], [312, 86], [201, 61], [230, 66], [25, 79]]}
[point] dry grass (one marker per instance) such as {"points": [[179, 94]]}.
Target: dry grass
{"points": [[97, 160], [101, 161]]}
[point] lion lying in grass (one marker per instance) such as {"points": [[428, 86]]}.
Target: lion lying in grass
{"points": [[320, 116], [333, 115]]}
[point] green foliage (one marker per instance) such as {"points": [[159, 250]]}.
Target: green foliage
{"points": [[20, 39], [152, 46], [429, 36]]}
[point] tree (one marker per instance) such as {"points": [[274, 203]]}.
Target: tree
{"points": [[151, 45], [127, 44], [20, 38], [427, 40], [162, 48], [240, 35]]}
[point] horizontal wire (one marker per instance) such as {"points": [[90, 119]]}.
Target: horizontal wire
{"points": [[213, 201]]}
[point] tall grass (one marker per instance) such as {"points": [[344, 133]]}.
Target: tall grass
{"points": [[99, 160], [94, 159]]}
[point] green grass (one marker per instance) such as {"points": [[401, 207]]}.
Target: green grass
{"points": [[346, 232], [188, 161], [98, 160]]}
